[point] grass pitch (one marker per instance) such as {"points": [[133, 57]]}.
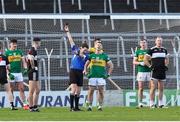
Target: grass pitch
{"points": [[108, 114]]}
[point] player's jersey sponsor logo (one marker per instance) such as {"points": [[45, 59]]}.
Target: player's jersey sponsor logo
{"points": [[140, 57], [14, 58], [98, 62]]}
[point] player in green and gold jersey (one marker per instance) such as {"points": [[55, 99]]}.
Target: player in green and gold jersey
{"points": [[143, 71], [16, 60], [97, 74]]}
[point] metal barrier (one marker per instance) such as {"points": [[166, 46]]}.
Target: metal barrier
{"points": [[120, 51], [42, 66]]}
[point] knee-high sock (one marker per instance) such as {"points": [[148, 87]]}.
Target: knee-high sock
{"points": [[72, 100]]}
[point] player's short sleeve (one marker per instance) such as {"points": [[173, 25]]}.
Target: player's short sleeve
{"points": [[149, 52], [6, 53], [75, 49], [86, 57], [107, 58], [21, 52], [89, 57], [136, 54], [166, 52]]}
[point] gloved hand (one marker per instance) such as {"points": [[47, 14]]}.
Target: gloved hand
{"points": [[11, 76], [25, 71], [141, 63]]}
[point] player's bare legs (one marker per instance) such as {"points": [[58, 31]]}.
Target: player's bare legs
{"points": [[160, 93], [100, 96], [12, 87], [9, 94], [31, 92], [90, 97], [8, 91], [36, 93], [20, 86], [152, 93], [140, 93]]}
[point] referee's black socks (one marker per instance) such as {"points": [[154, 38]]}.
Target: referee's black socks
{"points": [[72, 100], [76, 101]]}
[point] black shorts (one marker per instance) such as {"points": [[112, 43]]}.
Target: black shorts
{"points": [[76, 77], [33, 75], [159, 74], [3, 80]]}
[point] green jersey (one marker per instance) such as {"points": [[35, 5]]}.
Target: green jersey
{"points": [[98, 65], [139, 54], [15, 60]]}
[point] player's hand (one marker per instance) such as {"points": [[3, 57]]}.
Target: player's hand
{"points": [[11, 76], [141, 63], [85, 72], [66, 28]]}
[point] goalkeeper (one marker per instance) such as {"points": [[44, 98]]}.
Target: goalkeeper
{"points": [[16, 59]]}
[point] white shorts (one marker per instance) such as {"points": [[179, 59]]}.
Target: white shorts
{"points": [[156, 80], [18, 77], [144, 76], [97, 82]]}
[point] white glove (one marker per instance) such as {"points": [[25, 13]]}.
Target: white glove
{"points": [[141, 63]]}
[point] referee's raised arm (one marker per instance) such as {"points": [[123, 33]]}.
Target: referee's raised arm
{"points": [[71, 41]]}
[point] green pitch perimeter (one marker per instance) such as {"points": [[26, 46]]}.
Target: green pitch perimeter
{"points": [[108, 113]]}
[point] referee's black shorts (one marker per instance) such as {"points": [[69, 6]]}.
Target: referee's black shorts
{"points": [[76, 77], [33, 75], [159, 73]]}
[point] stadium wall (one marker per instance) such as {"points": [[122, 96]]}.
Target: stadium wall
{"points": [[112, 98], [46, 99], [170, 97]]}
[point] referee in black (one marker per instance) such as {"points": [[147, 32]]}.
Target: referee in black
{"points": [[80, 56], [158, 56]]}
